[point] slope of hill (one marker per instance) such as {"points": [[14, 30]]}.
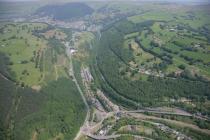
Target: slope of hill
{"points": [[135, 70], [65, 12], [10, 10], [48, 110]]}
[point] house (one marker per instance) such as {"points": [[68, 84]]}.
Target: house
{"points": [[101, 132], [172, 30], [72, 50]]}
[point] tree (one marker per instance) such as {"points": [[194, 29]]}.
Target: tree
{"points": [[182, 67]]}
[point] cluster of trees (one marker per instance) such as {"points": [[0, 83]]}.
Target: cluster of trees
{"points": [[127, 27], [184, 47], [108, 89], [194, 134], [154, 44], [204, 30], [5, 70], [37, 110], [167, 54], [41, 62], [191, 60], [68, 33], [56, 45], [165, 57], [156, 134], [37, 31], [39, 59], [51, 113], [189, 49], [6, 97], [125, 54], [169, 50], [189, 74]]}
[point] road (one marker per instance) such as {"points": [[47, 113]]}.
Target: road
{"points": [[103, 137], [181, 124], [158, 112], [137, 136], [116, 136], [71, 72], [4, 77]]}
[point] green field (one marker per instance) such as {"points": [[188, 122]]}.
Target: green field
{"points": [[21, 46], [30, 54], [38, 100]]}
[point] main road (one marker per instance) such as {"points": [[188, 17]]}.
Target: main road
{"points": [[71, 72]]}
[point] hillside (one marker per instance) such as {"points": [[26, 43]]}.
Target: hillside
{"points": [[35, 90], [144, 57], [65, 12], [10, 10]]}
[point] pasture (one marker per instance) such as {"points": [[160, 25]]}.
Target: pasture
{"points": [[32, 56]]}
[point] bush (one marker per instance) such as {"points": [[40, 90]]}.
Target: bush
{"points": [[182, 67]]}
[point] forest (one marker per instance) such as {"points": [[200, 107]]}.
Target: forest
{"points": [[44, 112], [111, 56]]}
